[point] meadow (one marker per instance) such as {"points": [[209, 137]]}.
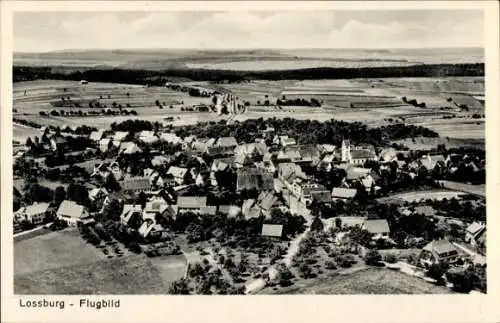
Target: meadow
{"points": [[62, 263]]}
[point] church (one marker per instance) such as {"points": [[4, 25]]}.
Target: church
{"points": [[357, 155]]}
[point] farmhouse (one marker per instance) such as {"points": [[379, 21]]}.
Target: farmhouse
{"points": [[430, 162], [438, 251], [475, 234], [148, 137], [171, 137], [71, 212], [378, 228], [120, 135], [35, 213], [105, 144]]}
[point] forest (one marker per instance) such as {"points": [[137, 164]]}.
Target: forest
{"points": [[139, 76]]}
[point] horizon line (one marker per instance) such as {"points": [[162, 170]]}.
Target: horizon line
{"points": [[242, 49]]}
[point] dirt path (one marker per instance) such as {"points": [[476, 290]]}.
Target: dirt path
{"points": [[476, 258], [294, 246]]}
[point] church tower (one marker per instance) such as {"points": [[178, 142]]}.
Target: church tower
{"points": [[346, 150]]}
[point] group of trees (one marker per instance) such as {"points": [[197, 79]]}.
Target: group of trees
{"points": [[27, 123], [80, 113], [135, 125], [413, 102], [313, 102], [307, 131]]}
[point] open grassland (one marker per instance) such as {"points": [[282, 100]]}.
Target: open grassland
{"points": [[422, 143], [62, 263], [378, 281], [53, 250]]}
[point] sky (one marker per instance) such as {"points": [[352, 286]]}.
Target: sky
{"points": [[51, 31]]}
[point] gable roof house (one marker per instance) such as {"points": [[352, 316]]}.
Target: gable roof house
{"points": [[288, 172], [388, 155], [154, 208], [105, 144], [252, 178], [378, 228], [272, 230], [129, 148], [71, 212], [227, 142], [36, 212], [191, 203], [120, 135], [134, 185], [475, 234], [179, 174], [171, 137], [340, 193], [430, 162], [96, 136], [97, 196], [130, 212], [148, 137], [438, 251]]}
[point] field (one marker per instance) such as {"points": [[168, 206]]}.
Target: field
{"points": [[422, 195], [372, 281], [62, 263], [375, 102]]}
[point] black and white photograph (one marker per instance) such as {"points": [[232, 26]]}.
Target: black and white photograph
{"points": [[249, 152]]}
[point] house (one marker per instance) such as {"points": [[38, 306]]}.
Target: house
{"points": [[241, 161], [388, 155], [105, 144], [35, 213], [266, 165], [309, 154], [430, 162], [97, 196], [131, 213], [254, 179], [171, 138], [191, 204], [129, 148], [288, 172], [226, 142], [378, 228], [326, 164], [305, 191], [188, 141], [154, 208], [101, 169], [438, 252], [208, 210], [179, 174], [120, 135], [219, 151], [96, 136], [201, 145], [357, 155], [71, 212], [272, 230], [357, 173], [230, 211], [266, 201], [134, 185], [289, 155], [254, 151], [157, 161], [340, 193], [351, 221], [148, 137], [475, 234], [285, 141], [247, 206], [326, 149]]}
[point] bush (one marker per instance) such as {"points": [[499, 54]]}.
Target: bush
{"points": [[391, 258], [373, 258], [330, 265], [436, 272], [463, 282], [344, 261]]}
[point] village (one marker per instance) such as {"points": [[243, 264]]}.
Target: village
{"points": [[261, 211]]}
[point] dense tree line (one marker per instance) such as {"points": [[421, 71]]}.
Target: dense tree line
{"points": [[307, 131], [24, 73]]}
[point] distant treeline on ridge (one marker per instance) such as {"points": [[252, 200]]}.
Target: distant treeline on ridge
{"points": [[152, 77]]}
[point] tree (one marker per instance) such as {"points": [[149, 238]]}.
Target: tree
{"points": [[59, 195], [317, 224], [179, 287], [436, 272], [463, 281], [112, 184], [373, 258]]}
